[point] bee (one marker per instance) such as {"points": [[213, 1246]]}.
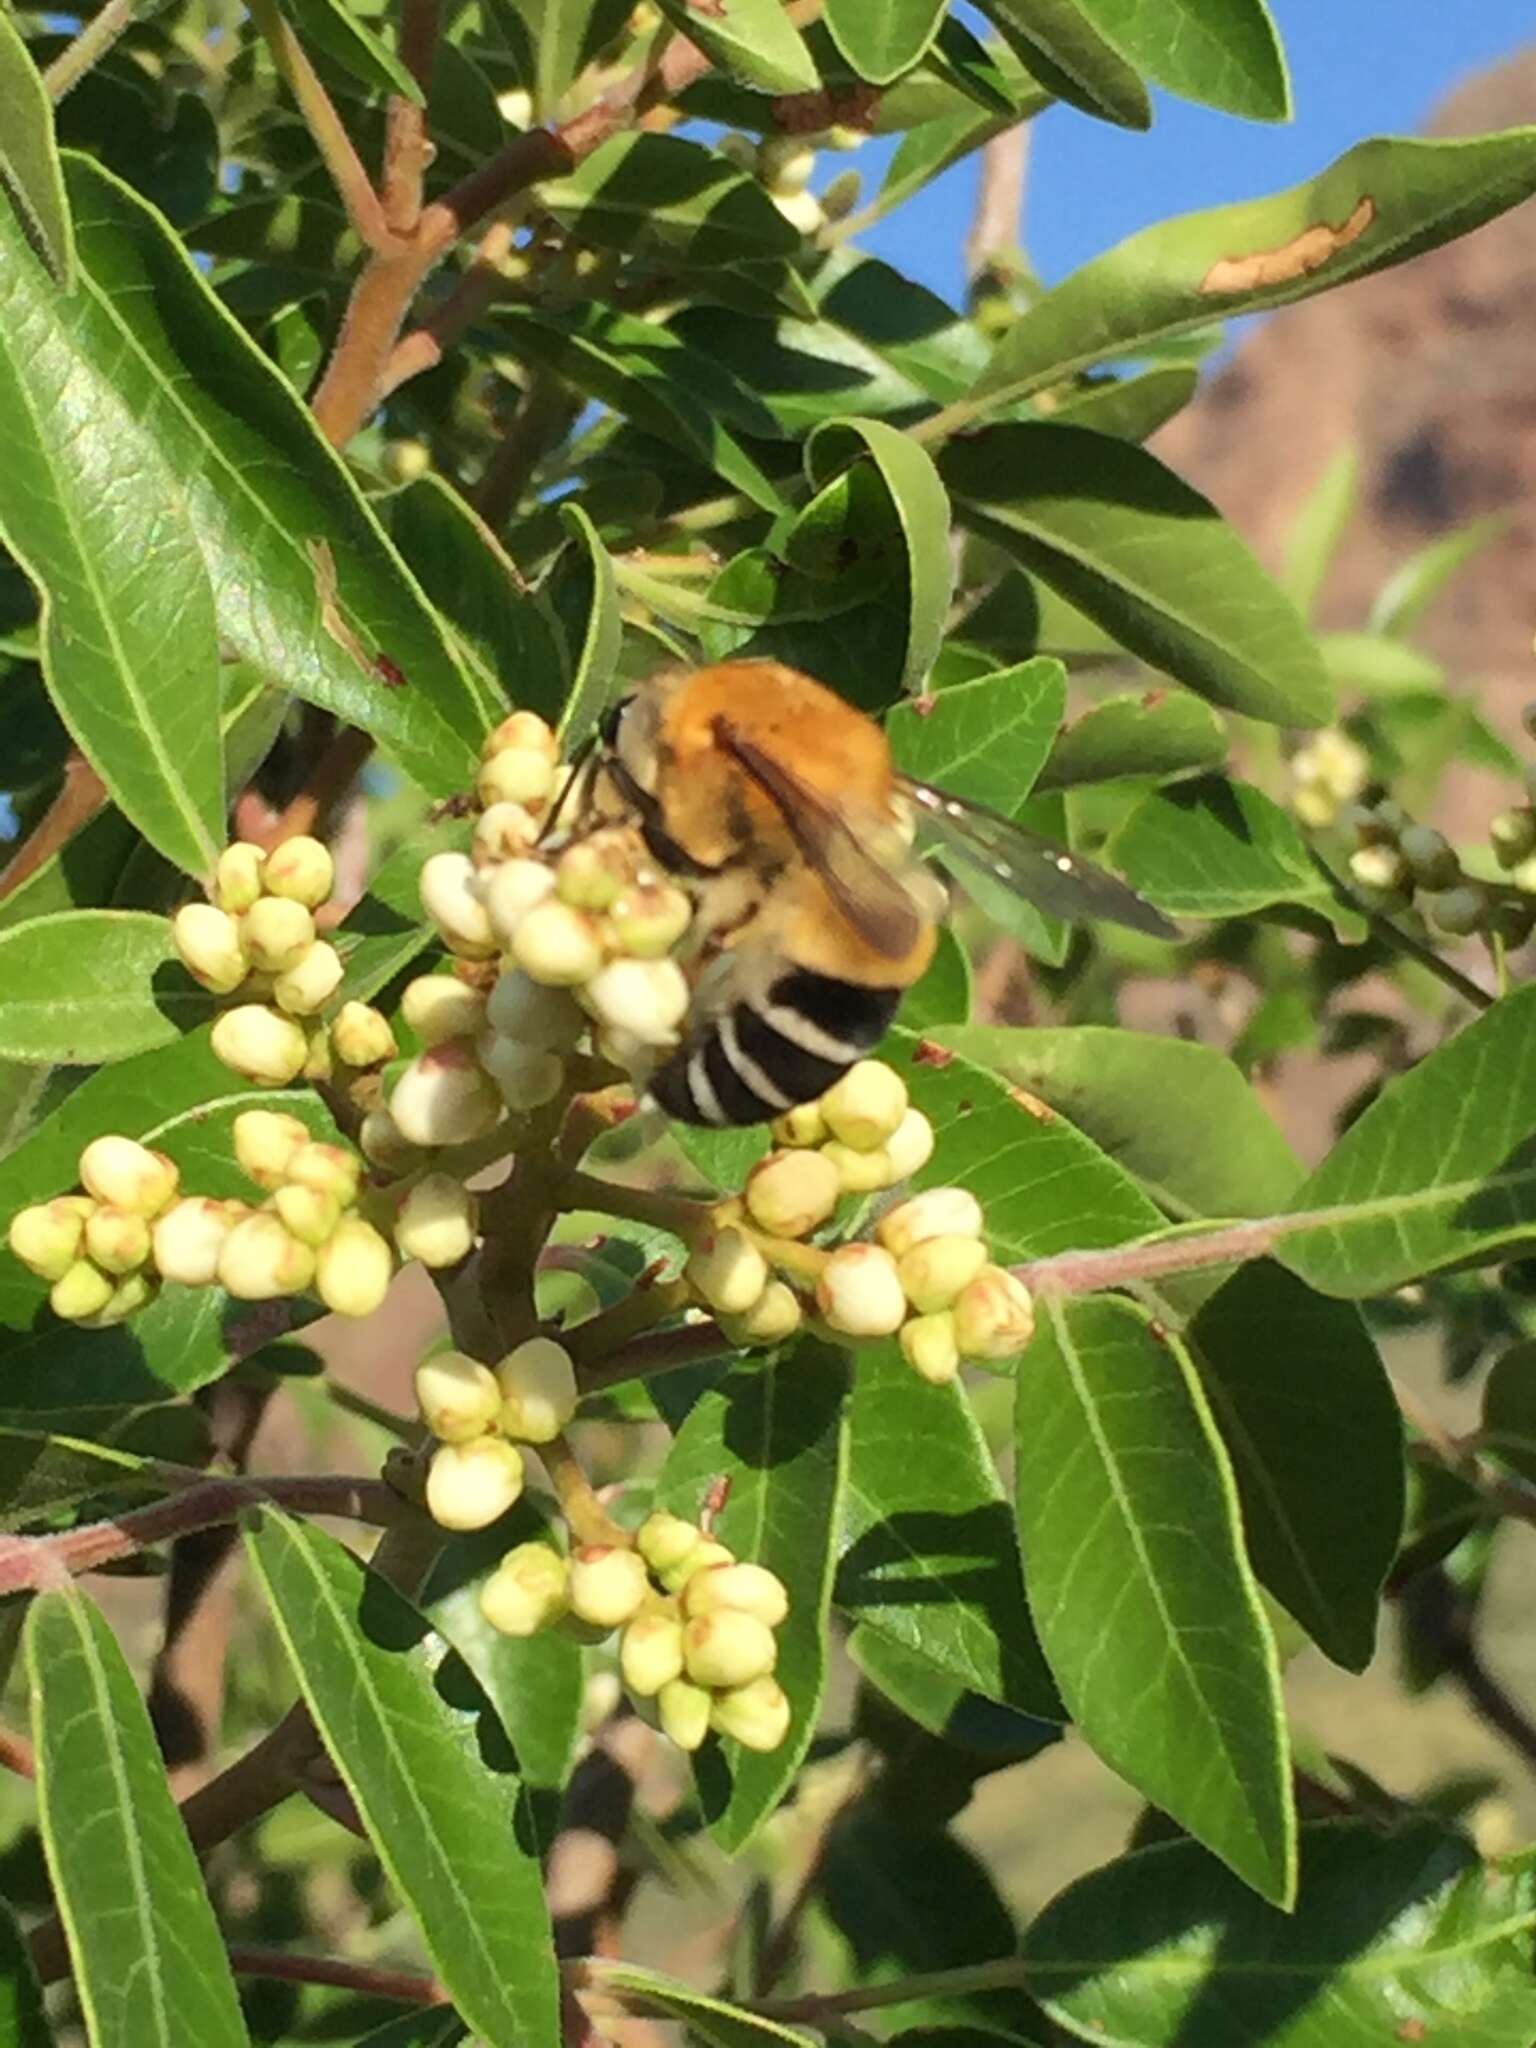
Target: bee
{"points": [[777, 805]]}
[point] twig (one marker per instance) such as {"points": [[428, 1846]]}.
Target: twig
{"points": [[816, 2008], [367, 1980], [590, 1521], [1091, 1272], [540, 419], [683, 1215], [425, 346], [353, 185], [88, 48], [647, 1358], [329, 779], [650, 1301], [407, 150], [1403, 942], [16, 1755], [1438, 1607], [82, 795], [995, 225]]}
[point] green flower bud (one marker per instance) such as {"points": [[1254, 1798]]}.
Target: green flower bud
{"points": [[929, 1347], [1512, 835], [727, 1648], [516, 775], [651, 1652], [527, 1590], [790, 1193], [533, 1015], [526, 1075], [865, 1107], [647, 998], [238, 877], [188, 1239], [47, 1238], [260, 1260], [328, 1169], [306, 1213], [775, 1315], [608, 1584], [445, 1097], [937, 1212], [207, 941], [117, 1240], [756, 1715], [557, 945], [437, 1221], [840, 195], [744, 1588], [1458, 911], [910, 1146], [276, 933], [523, 732], [802, 1125], [994, 1315], [512, 890], [403, 461], [727, 1271], [649, 919], [458, 1396], [859, 1294], [471, 1485], [306, 987], [383, 1145], [353, 1268], [302, 870], [934, 1272], [451, 899], [266, 1142], [81, 1291], [262, 1044], [538, 1388], [128, 1175], [361, 1036], [683, 1710], [665, 1541], [1431, 860]]}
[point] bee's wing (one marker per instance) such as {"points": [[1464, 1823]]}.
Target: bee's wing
{"points": [[867, 888], [1062, 883]]}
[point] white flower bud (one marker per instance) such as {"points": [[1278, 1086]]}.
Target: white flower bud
{"points": [[306, 1213], [128, 1175], [47, 1238], [538, 1387], [262, 1044], [608, 1584], [471, 1485], [444, 1097], [1378, 867], [80, 1291], [457, 1395], [439, 1006], [301, 869], [133, 1292], [450, 899], [260, 1260], [265, 1143], [746, 1588], [353, 1268], [527, 1590], [188, 1239], [238, 877], [1314, 806], [928, 1345], [306, 987], [860, 1173], [526, 732], [800, 1126], [590, 873], [790, 1193], [329, 1169], [727, 1271], [728, 1648], [994, 1316], [532, 1014], [683, 1710], [526, 1076], [208, 944], [649, 919], [785, 163], [859, 1292], [117, 1240], [775, 1315], [704, 1555], [803, 210], [361, 1036], [664, 1540], [383, 1144], [865, 1107], [511, 891], [502, 832], [651, 1652], [756, 1715], [556, 944], [934, 1271], [276, 933], [937, 1212], [436, 1222], [516, 775], [646, 998], [910, 1146]]}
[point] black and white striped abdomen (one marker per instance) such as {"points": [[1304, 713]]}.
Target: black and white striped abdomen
{"points": [[767, 1053]]}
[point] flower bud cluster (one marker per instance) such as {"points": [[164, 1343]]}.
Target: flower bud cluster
{"points": [[481, 1416], [1399, 864], [96, 1248], [1330, 771]]}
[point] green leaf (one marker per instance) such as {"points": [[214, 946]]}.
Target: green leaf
{"points": [[171, 386], [42, 1471], [661, 192], [586, 601], [1213, 848], [1127, 542], [436, 2029], [882, 42], [291, 231], [1509, 1408], [1413, 585], [29, 156], [1160, 733], [408, 1737], [1381, 203], [148, 1958], [1128, 1519], [1130, 1092], [23, 2021], [1132, 408], [1398, 1935], [1224, 53], [779, 1435], [555, 39], [986, 740], [929, 1559], [1437, 1172], [1318, 528], [338, 30], [753, 40], [1378, 666], [387, 929], [86, 986], [706, 2019], [979, 1735], [942, 994], [1316, 1441], [1063, 46]]}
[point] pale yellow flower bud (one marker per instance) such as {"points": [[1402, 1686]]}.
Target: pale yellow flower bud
{"points": [[502, 832], [266, 1142], [790, 1193], [353, 1268], [803, 210], [361, 1036], [261, 1260], [450, 898], [439, 1006], [445, 1097], [994, 1316], [133, 1292], [664, 1540], [651, 1652], [471, 1485], [188, 1239], [117, 1240], [436, 1222], [726, 1270], [683, 1710], [865, 1106], [937, 1212], [329, 1169], [238, 878], [859, 1292], [608, 1584], [531, 1014], [526, 732], [526, 1075], [775, 1315], [262, 1044], [306, 987], [516, 775], [208, 944], [647, 998], [785, 163], [590, 874], [538, 1387], [928, 1345], [383, 1144], [128, 1175], [746, 1588], [860, 1173], [556, 944], [706, 1553], [649, 919], [527, 1590], [800, 1126], [82, 1290], [458, 1396], [910, 1146], [756, 1715], [47, 1238], [728, 1648], [512, 890], [934, 1271], [276, 933], [306, 1213], [301, 869]]}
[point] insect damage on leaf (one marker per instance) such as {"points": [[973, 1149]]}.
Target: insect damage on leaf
{"points": [[331, 620], [1298, 257]]}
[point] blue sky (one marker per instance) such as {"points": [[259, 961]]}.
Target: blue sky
{"points": [[1358, 67]]}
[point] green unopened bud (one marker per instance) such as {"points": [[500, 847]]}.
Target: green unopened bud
{"points": [[188, 1239], [649, 919], [664, 1540], [802, 1125], [727, 1271], [859, 1292], [238, 878], [937, 1212], [910, 1146], [133, 1292], [705, 1554], [503, 832], [934, 1272], [1431, 860], [683, 1710], [403, 461], [756, 1715], [791, 1192], [128, 1175], [517, 775], [728, 1648], [556, 944], [994, 1315], [775, 1315], [383, 1144], [745, 1588], [82, 1290], [260, 1260], [538, 1388], [117, 1240], [329, 1169], [262, 1044], [866, 1106], [302, 870], [523, 732], [929, 1347], [208, 944], [445, 1097], [471, 1485], [361, 1036], [306, 987], [276, 933], [651, 1652], [451, 899], [437, 1221], [1512, 835], [353, 1268], [527, 1590], [590, 874], [533, 1015], [512, 890], [608, 1584], [458, 1396], [1511, 921], [648, 999], [1458, 911], [308, 1214], [266, 1142], [527, 1076], [47, 1238]]}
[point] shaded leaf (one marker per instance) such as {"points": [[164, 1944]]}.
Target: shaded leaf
{"points": [[1160, 733], [23, 2021], [554, 39], [753, 40], [1131, 407], [882, 42], [660, 191], [1213, 848], [87, 986], [586, 602], [339, 30], [1509, 1408], [29, 156], [1061, 43]]}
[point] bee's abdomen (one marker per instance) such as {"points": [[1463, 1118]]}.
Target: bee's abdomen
{"points": [[766, 1054]]}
